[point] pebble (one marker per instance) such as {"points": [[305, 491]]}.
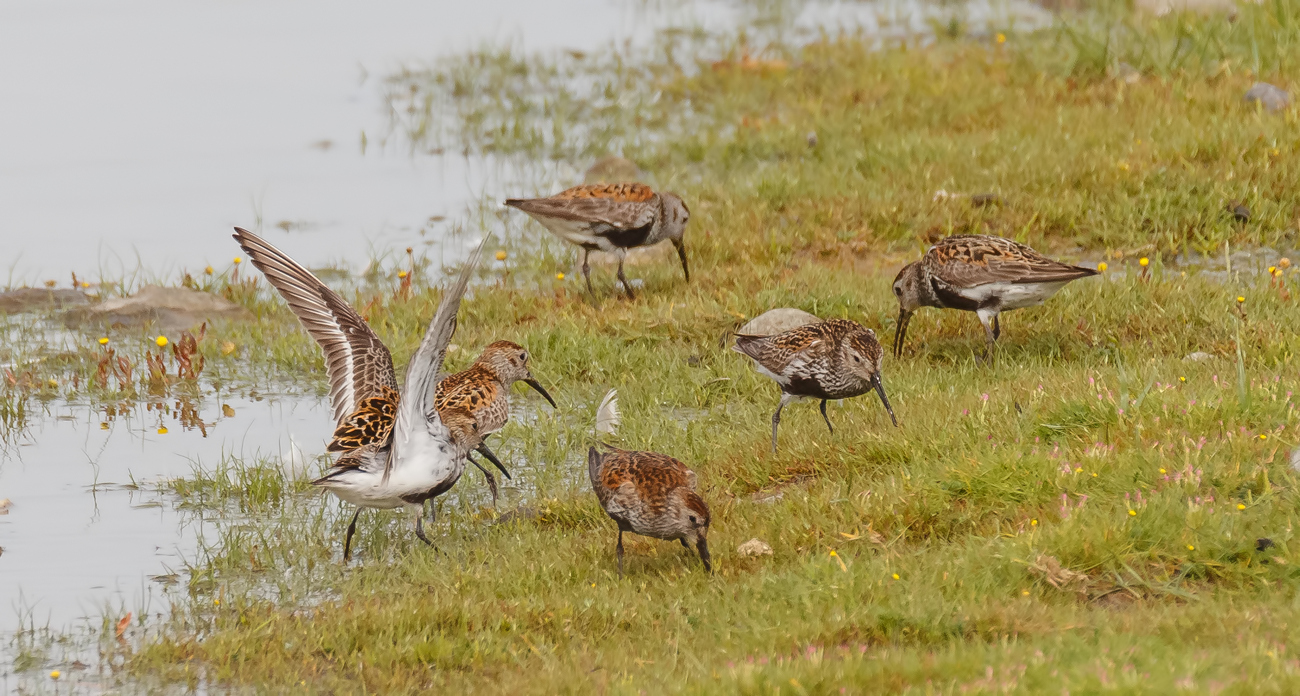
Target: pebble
{"points": [[1273, 99], [754, 547]]}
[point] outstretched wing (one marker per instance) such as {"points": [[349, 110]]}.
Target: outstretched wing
{"points": [[416, 409], [358, 364]]}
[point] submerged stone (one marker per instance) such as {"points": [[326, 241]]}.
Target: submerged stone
{"points": [[36, 299], [168, 308]]}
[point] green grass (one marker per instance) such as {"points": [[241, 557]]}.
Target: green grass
{"points": [[908, 560]]}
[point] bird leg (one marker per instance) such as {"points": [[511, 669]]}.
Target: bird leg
{"points": [[776, 418], [622, 278], [991, 330], [491, 480], [347, 540], [620, 553], [586, 272], [825, 418], [419, 527], [997, 327]]}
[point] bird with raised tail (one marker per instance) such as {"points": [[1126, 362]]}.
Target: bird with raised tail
{"points": [[647, 493], [483, 389], [982, 274], [612, 218], [833, 359], [398, 450]]}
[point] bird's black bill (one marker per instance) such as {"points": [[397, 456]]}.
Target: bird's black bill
{"points": [[880, 389], [900, 331], [703, 547], [540, 390], [483, 450], [681, 254]]}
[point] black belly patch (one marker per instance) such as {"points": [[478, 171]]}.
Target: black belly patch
{"points": [[419, 498], [629, 238], [950, 299], [803, 385]]}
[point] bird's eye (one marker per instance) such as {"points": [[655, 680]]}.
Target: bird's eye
{"points": [[898, 290], [857, 359], [692, 519], [523, 356]]}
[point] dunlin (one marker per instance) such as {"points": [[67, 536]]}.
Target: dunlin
{"points": [[650, 494], [483, 390], [611, 218], [833, 359], [398, 450], [981, 274]]}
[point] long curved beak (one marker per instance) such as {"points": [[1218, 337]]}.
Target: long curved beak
{"points": [[900, 331], [880, 389], [681, 254], [703, 547], [540, 390], [483, 450]]}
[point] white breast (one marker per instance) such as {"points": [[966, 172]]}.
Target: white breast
{"points": [[1013, 295]]}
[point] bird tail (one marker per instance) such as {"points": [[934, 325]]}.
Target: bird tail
{"points": [[747, 344]]}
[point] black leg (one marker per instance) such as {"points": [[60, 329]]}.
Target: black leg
{"points": [[776, 421], [826, 418], [491, 480], [586, 272], [620, 553], [347, 540], [997, 327], [419, 530], [685, 545], [622, 278]]}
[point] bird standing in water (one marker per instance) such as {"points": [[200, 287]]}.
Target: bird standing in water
{"points": [[612, 218], [398, 450], [833, 359], [982, 274]]}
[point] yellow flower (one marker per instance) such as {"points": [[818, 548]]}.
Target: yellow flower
{"points": [[238, 260], [1262, 436], [501, 255], [227, 348], [1024, 593], [895, 576], [84, 284], [55, 674], [1144, 262], [103, 340], [162, 431], [1272, 270], [1240, 299], [401, 274], [1162, 470], [216, 602], [1002, 38], [54, 383], [1241, 506], [1079, 470], [161, 341], [1182, 379], [1101, 267], [559, 276], [1132, 513], [1033, 523], [207, 271], [1191, 548], [1123, 166]]}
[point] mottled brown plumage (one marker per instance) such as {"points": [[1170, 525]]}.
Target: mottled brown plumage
{"points": [[483, 391], [371, 423], [833, 359], [982, 274], [650, 494], [611, 218]]}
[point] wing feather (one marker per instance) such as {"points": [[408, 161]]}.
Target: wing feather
{"points": [[358, 364]]}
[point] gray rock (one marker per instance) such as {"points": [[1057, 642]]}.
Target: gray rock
{"points": [[1272, 98], [612, 169], [1198, 356], [36, 299], [775, 321], [168, 308]]}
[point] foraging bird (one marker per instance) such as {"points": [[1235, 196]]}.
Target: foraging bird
{"points": [[981, 274], [397, 449], [652, 495], [484, 390], [833, 359], [612, 218]]}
